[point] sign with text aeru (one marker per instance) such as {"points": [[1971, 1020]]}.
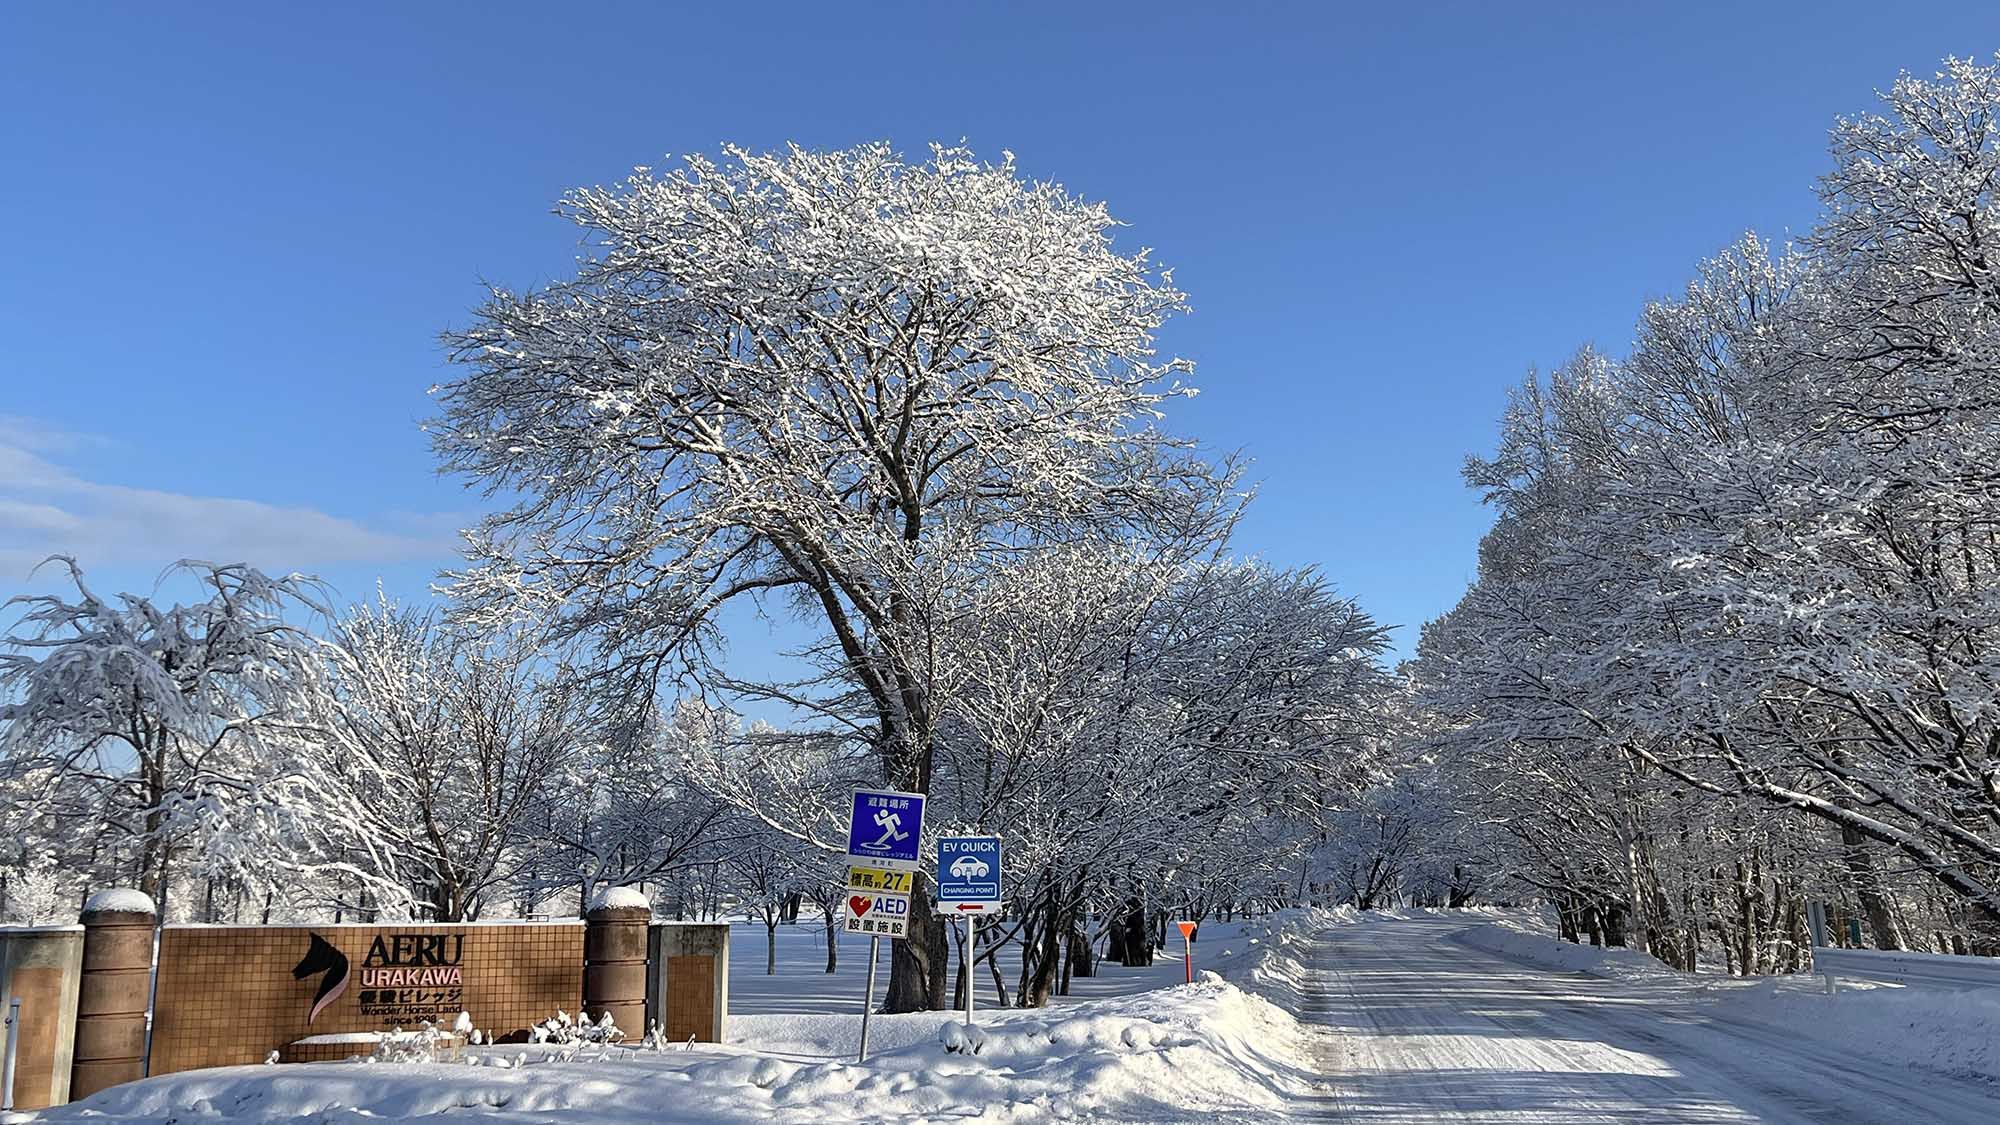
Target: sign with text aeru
{"points": [[885, 829], [968, 875]]}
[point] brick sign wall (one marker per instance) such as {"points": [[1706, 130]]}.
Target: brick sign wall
{"points": [[230, 995]]}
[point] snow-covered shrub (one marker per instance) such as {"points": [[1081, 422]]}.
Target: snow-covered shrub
{"points": [[36, 894], [656, 1039], [428, 1043], [962, 1038], [571, 1034]]}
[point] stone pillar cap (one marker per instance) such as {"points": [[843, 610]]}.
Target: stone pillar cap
{"points": [[620, 898], [119, 900]]}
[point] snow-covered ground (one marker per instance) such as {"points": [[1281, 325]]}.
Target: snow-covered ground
{"points": [[1131, 1045], [1454, 1017], [1387, 1019]]}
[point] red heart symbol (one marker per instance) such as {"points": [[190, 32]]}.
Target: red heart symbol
{"points": [[858, 904]]}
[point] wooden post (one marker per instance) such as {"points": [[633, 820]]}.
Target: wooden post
{"points": [[113, 991]]}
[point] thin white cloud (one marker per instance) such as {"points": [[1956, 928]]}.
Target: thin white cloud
{"points": [[36, 436], [48, 509]]}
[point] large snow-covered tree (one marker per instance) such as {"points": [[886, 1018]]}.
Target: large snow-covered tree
{"points": [[1133, 725], [837, 379]]}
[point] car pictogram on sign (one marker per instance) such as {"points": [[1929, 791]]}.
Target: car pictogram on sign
{"points": [[969, 867]]}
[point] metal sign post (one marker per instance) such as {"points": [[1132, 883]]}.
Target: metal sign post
{"points": [[971, 954], [13, 1053], [968, 885], [868, 1001], [1187, 947], [883, 833]]}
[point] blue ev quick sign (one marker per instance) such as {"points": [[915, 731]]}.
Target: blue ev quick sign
{"points": [[968, 874], [885, 829]]}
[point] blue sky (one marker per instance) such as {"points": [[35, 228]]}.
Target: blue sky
{"points": [[233, 234]]}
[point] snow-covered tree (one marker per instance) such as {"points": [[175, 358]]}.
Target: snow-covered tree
{"points": [[621, 809], [840, 378], [1737, 605], [132, 715], [405, 778]]}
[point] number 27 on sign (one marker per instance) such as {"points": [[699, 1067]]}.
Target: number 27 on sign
{"points": [[879, 881]]}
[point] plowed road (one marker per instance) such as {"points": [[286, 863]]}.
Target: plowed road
{"points": [[1425, 1029]]}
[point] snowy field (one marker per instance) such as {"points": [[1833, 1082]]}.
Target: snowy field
{"points": [[801, 984], [1132, 1045]]}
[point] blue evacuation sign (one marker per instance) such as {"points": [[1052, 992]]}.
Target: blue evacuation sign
{"points": [[886, 828]]}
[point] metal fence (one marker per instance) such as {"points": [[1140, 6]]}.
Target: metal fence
{"points": [[1920, 970], [1917, 970]]}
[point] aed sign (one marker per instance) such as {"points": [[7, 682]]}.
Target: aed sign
{"points": [[968, 874], [877, 915]]}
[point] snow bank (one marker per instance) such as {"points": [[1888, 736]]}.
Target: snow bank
{"points": [[612, 898], [120, 898], [1274, 958], [1955, 1033], [1513, 938], [1171, 1055], [1186, 1053]]}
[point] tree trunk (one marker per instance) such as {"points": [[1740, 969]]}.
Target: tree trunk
{"points": [[999, 981], [1138, 943], [1040, 980], [1082, 960], [918, 963], [959, 978], [152, 849], [1746, 917], [1868, 890]]}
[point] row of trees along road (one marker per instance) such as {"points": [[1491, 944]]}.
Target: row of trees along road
{"points": [[1733, 641], [913, 406]]}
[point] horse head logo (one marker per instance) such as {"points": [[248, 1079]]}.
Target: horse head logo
{"points": [[322, 957]]}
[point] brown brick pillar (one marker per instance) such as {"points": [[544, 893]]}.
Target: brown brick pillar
{"points": [[112, 992], [614, 959]]}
